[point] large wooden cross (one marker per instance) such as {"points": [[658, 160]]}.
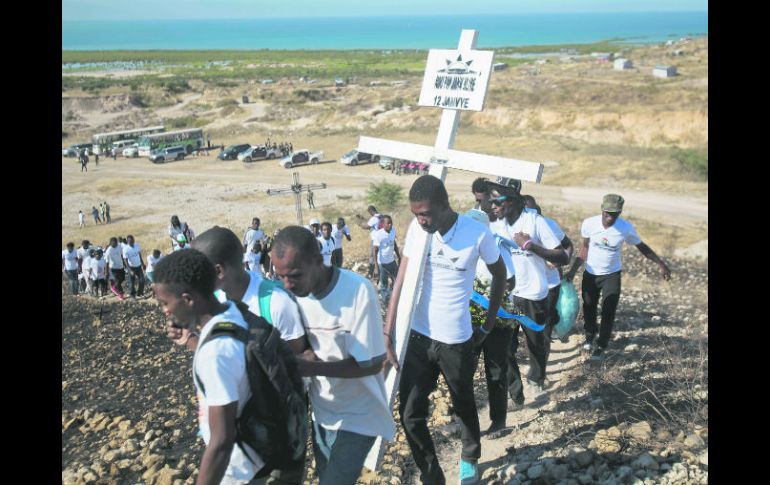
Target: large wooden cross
{"points": [[461, 73], [296, 188]]}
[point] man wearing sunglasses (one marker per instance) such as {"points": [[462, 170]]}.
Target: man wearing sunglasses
{"points": [[534, 245]]}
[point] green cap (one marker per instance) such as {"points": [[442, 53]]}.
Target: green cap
{"points": [[612, 203]]}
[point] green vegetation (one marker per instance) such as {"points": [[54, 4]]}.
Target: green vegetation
{"points": [[385, 195], [183, 122], [692, 159]]}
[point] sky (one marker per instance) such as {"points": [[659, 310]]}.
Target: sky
{"points": [[209, 9]]}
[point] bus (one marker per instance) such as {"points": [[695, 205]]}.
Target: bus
{"points": [[191, 139], [103, 142]]}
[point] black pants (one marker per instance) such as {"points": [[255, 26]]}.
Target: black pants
{"points": [[553, 317], [337, 257], [537, 311], [72, 277], [100, 285], [495, 348], [425, 359], [606, 287], [119, 275], [138, 275]]}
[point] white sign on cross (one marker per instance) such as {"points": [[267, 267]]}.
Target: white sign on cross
{"points": [[440, 156]]}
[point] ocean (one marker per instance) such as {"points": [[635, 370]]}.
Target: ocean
{"points": [[413, 32]]}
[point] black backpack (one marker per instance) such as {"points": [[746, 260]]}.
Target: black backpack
{"points": [[274, 419]]}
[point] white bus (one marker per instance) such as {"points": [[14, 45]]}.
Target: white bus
{"points": [[191, 139], [103, 142]]}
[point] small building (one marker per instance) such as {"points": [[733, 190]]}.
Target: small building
{"points": [[499, 66], [267, 81], [664, 71], [339, 82], [245, 99], [541, 61], [677, 53], [621, 64], [602, 56]]}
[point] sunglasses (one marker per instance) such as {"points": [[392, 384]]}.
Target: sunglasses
{"points": [[499, 200]]}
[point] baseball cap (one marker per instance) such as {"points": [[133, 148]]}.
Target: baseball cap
{"points": [[314, 221], [612, 203], [515, 184], [181, 238]]}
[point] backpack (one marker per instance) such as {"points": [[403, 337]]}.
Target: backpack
{"points": [[274, 419]]}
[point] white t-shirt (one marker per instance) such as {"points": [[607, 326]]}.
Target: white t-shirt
{"points": [[132, 255], [442, 312], [373, 222], [327, 246], [175, 231], [283, 310], [83, 252], [98, 269], [114, 256], [345, 322], [386, 242], [339, 235], [70, 259], [81, 217], [531, 277], [152, 261], [252, 259], [605, 245], [552, 274], [85, 266], [252, 236], [221, 367], [483, 273], [186, 246]]}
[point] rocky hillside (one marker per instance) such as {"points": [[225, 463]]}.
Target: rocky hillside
{"points": [[640, 416]]}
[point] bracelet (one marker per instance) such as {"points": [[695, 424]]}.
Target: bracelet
{"points": [[484, 330], [526, 244]]}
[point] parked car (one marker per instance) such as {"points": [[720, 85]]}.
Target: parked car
{"points": [[231, 152], [131, 151], [258, 152], [74, 150], [354, 157], [301, 157], [168, 153]]}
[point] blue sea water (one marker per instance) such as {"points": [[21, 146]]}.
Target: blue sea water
{"points": [[413, 32]]}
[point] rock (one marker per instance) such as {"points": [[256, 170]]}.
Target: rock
{"points": [[585, 479], [605, 443], [581, 456], [646, 461], [641, 431], [150, 461], [489, 474], [614, 432], [624, 471], [694, 441], [90, 477], [596, 403], [111, 456], [535, 471], [558, 472], [167, 475], [130, 446], [123, 464], [703, 458], [510, 471], [663, 435], [631, 348], [523, 466]]}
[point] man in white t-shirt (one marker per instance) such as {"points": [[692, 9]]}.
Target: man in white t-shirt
{"points": [[340, 231], [184, 287], [442, 338], [326, 243], [98, 267], [603, 238], [372, 225], [69, 266], [385, 254], [85, 270], [344, 328], [132, 257], [222, 247], [81, 218], [152, 260], [253, 234], [553, 272], [534, 244], [114, 257]]}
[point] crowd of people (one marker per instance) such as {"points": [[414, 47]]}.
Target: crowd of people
{"points": [[284, 147], [330, 323]]}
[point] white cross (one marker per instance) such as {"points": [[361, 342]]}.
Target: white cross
{"points": [[440, 156]]}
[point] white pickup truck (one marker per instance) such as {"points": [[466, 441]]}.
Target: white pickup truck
{"points": [[301, 157]]}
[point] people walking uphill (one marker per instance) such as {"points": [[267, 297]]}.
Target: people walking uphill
{"points": [[339, 232], [601, 252], [95, 214], [69, 266], [344, 328], [253, 234], [133, 262], [103, 211], [81, 219], [532, 244], [385, 254], [175, 229], [372, 225], [326, 243], [108, 219], [238, 369], [442, 340], [114, 256]]}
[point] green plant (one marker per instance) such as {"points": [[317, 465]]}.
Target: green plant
{"points": [[693, 159], [384, 195], [138, 100]]}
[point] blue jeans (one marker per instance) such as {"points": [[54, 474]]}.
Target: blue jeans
{"points": [[339, 455], [388, 271]]}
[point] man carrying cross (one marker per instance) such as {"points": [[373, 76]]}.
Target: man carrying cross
{"points": [[442, 339]]}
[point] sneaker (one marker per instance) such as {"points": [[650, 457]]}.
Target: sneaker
{"points": [[469, 473], [588, 346], [598, 354], [515, 405], [535, 390]]}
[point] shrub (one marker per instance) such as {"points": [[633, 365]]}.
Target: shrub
{"points": [[693, 160], [138, 100], [384, 195]]}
